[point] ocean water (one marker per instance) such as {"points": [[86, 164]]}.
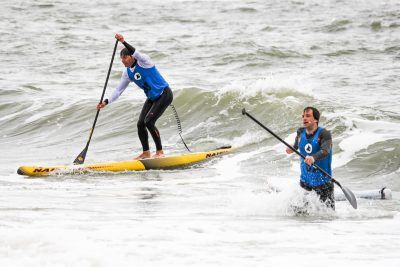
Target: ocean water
{"points": [[271, 57]]}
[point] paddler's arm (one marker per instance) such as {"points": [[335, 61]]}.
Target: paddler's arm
{"points": [[296, 142], [326, 145], [121, 38], [123, 84], [142, 59]]}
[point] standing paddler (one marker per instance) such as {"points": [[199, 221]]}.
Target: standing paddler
{"points": [[142, 71], [315, 143]]}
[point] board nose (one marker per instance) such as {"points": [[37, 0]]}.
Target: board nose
{"points": [[20, 171]]}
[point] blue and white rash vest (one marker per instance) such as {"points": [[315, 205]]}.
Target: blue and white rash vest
{"points": [[145, 75], [307, 147]]}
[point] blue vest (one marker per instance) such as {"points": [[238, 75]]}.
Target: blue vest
{"points": [[148, 79], [307, 147]]}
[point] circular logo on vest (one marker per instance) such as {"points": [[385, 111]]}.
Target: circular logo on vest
{"points": [[137, 76], [308, 148]]}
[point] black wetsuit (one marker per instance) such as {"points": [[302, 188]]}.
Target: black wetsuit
{"points": [[150, 113]]}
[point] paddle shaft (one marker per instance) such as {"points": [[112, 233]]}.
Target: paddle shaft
{"points": [[289, 146], [81, 158]]}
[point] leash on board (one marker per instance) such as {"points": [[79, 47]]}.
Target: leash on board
{"points": [[178, 122]]}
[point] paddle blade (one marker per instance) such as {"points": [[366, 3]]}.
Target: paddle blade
{"points": [[350, 196], [80, 159]]}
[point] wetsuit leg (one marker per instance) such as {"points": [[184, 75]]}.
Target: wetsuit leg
{"points": [[157, 109], [326, 195], [142, 131]]}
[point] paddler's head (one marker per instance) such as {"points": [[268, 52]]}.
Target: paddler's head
{"points": [[126, 57], [310, 118]]}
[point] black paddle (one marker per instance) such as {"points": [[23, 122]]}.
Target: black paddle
{"points": [[347, 192], [81, 157]]}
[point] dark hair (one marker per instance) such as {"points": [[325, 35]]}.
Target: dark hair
{"points": [[125, 52], [315, 112]]}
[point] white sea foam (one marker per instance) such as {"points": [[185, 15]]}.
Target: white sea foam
{"points": [[271, 84], [361, 135]]}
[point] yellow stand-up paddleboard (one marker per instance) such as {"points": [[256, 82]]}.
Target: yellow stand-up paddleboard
{"points": [[131, 165]]}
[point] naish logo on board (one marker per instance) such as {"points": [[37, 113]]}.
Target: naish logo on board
{"points": [[43, 169], [209, 155]]}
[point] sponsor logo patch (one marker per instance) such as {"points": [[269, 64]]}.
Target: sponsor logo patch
{"points": [[308, 148]]}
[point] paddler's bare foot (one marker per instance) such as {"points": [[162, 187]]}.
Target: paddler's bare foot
{"points": [[144, 155], [159, 154]]}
